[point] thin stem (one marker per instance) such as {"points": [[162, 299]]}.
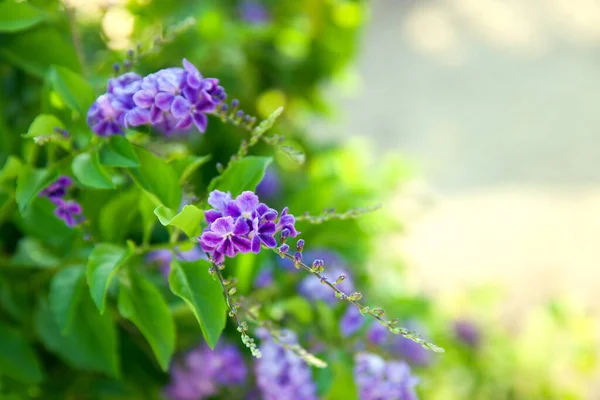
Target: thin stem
{"points": [[329, 215], [373, 312]]}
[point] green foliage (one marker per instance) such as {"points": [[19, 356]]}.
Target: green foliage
{"points": [[74, 91], [188, 220], [87, 169], [117, 152], [157, 178], [104, 262], [17, 358], [65, 288], [16, 17], [240, 175], [30, 183], [191, 282], [141, 303]]}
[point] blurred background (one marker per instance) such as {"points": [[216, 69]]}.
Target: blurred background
{"points": [[473, 122]]}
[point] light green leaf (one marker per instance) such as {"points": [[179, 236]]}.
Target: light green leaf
{"points": [[32, 253], [11, 169], [188, 220], [297, 306], [157, 178], [117, 152], [186, 166], [91, 342], [43, 126], [146, 208], [17, 359], [19, 16], [141, 303], [192, 282], [65, 289], [74, 91], [243, 174], [30, 183], [35, 50], [342, 384], [103, 264], [87, 169]]}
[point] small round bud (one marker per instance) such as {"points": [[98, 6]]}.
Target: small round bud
{"points": [[300, 245], [340, 279], [285, 234], [224, 107], [239, 114], [127, 65], [235, 103], [130, 53], [284, 248], [116, 67], [297, 257]]}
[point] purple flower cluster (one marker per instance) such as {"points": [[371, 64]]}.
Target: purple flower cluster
{"points": [[467, 332], [270, 185], [407, 349], [281, 374], [254, 12], [67, 210], [164, 257], [242, 225], [351, 321], [203, 373], [378, 380], [171, 100]]}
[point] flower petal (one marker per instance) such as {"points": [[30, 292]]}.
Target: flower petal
{"points": [[180, 107], [267, 228], [219, 200], [212, 215], [241, 227], [268, 240], [247, 201], [156, 115], [211, 239], [137, 117], [222, 225], [163, 100], [241, 244], [255, 245], [227, 247], [204, 102], [143, 98], [184, 124], [200, 120]]}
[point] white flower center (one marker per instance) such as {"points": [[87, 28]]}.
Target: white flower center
{"points": [[246, 215]]}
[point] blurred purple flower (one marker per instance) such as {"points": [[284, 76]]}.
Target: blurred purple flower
{"points": [[313, 289], [68, 211], [254, 12], [270, 185], [58, 188], [378, 380], [467, 332], [163, 258], [351, 321], [202, 372], [408, 350], [377, 334], [281, 374], [264, 278]]}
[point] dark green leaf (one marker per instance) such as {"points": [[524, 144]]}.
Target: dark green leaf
{"points": [[157, 178], [103, 264], [35, 50], [19, 16], [141, 303], [87, 169], [192, 282], [116, 216], [185, 166], [39, 220], [75, 91], [117, 152], [91, 343], [65, 289], [188, 220], [11, 169], [242, 174], [17, 359], [30, 182]]}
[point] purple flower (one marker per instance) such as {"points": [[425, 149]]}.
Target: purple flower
{"points": [[377, 334], [58, 188], [163, 258], [244, 206], [377, 379], [287, 221], [202, 372], [410, 351], [67, 211], [313, 289], [467, 332], [270, 185], [219, 201], [262, 233], [264, 278], [225, 238], [281, 374], [171, 100], [253, 12], [351, 321]]}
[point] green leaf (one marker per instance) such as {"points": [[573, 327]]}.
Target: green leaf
{"points": [[75, 91], [35, 50], [30, 183], [188, 220], [342, 384], [157, 178], [240, 175], [186, 166], [141, 303], [65, 289], [103, 264], [146, 208], [87, 169], [116, 216], [297, 306], [91, 342], [11, 169], [17, 359], [192, 282], [16, 17], [39, 220], [43, 126], [32, 253], [117, 152]]}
